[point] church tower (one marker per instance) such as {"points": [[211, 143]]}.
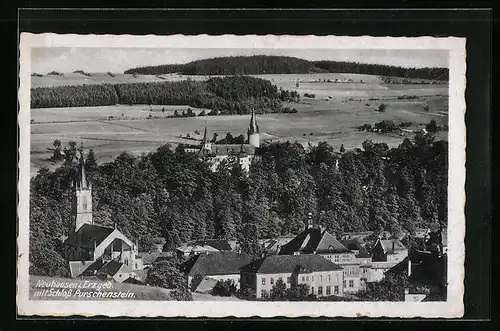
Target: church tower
{"points": [[82, 199], [253, 131], [206, 146]]}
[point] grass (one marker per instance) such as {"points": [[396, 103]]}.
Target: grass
{"points": [[320, 119], [141, 292]]}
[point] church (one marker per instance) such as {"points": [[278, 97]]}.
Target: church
{"points": [[93, 250], [243, 154]]}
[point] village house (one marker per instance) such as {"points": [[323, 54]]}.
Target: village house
{"points": [[437, 241], [389, 250], [318, 241], [220, 266], [242, 154], [88, 242], [322, 277]]}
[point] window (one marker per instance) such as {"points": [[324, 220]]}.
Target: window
{"points": [[288, 279], [312, 278], [344, 283], [320, 290], [136, 265], [303, 279], [329, 278], [262, 293], [84, 202], [272, 280], [320, 278], [351, 283], [336, 258], [312, 290], [279, 278], [307, 278], [336, 289], [263, 281], [328, 290]]}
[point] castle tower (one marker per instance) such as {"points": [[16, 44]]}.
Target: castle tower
{"points": [[253, 131], [83, 198]]}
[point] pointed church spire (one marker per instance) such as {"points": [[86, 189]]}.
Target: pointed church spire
{"points": [[205, 135], [253, 128]]}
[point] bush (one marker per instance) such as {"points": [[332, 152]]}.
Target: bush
{"points": [[167, 275], [431, 127], [310, 95], [226, 288], [47, 262], [381, 108]]}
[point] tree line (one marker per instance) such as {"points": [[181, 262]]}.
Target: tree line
{"points": [[227, 95], [174, 195], [265, 64]]}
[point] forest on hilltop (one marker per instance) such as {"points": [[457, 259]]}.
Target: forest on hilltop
{"points": [[174, 195], [226, 95], [265, 64]]}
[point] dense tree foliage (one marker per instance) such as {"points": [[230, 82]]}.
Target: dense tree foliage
{"points": [[174, 195], [265, 64], [227, 95], [166, 274]]}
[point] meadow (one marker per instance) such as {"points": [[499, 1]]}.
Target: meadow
{"points": [[332, 116]]}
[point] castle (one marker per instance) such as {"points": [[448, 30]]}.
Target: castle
{"points": [[242, 154], [94, 250]]}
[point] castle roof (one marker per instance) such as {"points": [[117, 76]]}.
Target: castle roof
{"points": [[232, 149], [304, 263], [87, 234], [311, 241], [392, 246]]}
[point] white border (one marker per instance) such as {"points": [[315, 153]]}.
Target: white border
{"points": [[454, 305]]}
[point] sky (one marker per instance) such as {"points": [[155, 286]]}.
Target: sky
{"points": [[117, 60]]}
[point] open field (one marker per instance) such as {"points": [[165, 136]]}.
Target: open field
{"points": [[331, 116], [285, 80]]}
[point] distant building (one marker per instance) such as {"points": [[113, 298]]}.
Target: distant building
{"points": [[220, 266], [188, 250], [318, 241], [88, 243], [389, 250], [323, 277], [242, 154]]}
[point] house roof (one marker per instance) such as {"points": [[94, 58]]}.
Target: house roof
{"points": [[131, 280], [77, 267], [196, 248], [352, 244], [391, 246], [112, 267], [87, 234], [221, 245], [274, 264], [148, 258], [313, 240], [216, 263], [206, 285], [93, 268], [363, 253]]}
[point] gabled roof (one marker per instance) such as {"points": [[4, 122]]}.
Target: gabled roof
{"points": [[148, 258], [206, 285], [111, 268], [87, 234], [93, 268], [363, 253], [196, 249], [391, 246], [221, 245], [352, 244], [77, 267], [274, 264], [216, 263], [313, 240]]}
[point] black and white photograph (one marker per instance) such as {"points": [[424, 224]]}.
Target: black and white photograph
{"points": [[241, 175]]}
